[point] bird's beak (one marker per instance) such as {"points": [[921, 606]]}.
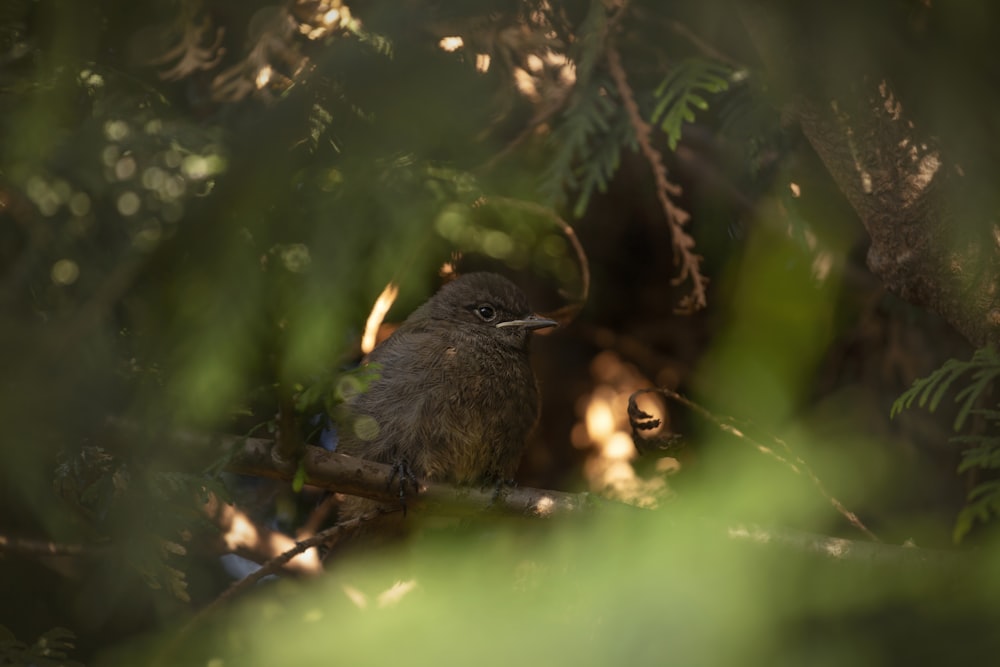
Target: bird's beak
{"points": [[531, 322]]}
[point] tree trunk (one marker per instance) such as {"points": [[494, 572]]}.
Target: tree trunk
{"points": [[900, 181]]}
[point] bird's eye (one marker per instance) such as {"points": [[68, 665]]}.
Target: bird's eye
{"points": [[486, 312]]}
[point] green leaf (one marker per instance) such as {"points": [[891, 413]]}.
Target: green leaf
{"points": [[299, 480], [682, 93]]}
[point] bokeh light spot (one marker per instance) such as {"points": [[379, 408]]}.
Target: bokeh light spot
{"points": [[116, 130], [65, 272], [128, 203], [125, 168], [296, 257], [496, 244]]}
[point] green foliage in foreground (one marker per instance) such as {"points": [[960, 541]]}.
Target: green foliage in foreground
{"points": [[630, 588]]}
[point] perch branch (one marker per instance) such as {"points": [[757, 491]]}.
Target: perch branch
{"points": [[368, 479]]}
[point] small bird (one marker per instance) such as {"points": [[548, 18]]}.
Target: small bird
{"points": [[456, 397]]}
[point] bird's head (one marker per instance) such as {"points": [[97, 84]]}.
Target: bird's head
{"points": [[489, 303]]}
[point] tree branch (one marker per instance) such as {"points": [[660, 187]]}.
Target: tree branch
{"points": [[368, 479], [47, 548]]}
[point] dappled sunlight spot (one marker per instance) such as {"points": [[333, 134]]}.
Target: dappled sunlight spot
{"points": [[359, 599], [866, 181], [65, 272], [241, 533], [295, 257], [822, 265], [544, 506], [796, 189], [395, 593], [448, 270], [335, 16], [47, 195], [125, 168], [451, 44], [91, 79], [619, 447], [563, 65], [497, 244], [483, 62], [604, 430], [892, 106], [745, 533], [926, 169], [116, 130], [202, 166], [600, 419], [128, 203], [835, 547], [325, 17], [668, 465], [377, 315], [617, 473], [307, 561], [526, 84], [263, 76]]}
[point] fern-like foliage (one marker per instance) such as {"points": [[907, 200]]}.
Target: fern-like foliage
{"points": [[981, 452], [51, 649], [588, 146], [595, 126], [929, 391], [685, 92], [587, 143], [604, 158]]}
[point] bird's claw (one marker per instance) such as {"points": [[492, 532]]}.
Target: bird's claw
{"points": [[501, 487], [402, 472]]}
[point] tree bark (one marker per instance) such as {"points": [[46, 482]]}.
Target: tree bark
{"points": [[903, 185]]}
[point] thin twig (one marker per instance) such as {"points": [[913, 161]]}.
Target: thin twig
{"points": [[838, 548], [46, 548], [683, 243], [642, 420]]}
